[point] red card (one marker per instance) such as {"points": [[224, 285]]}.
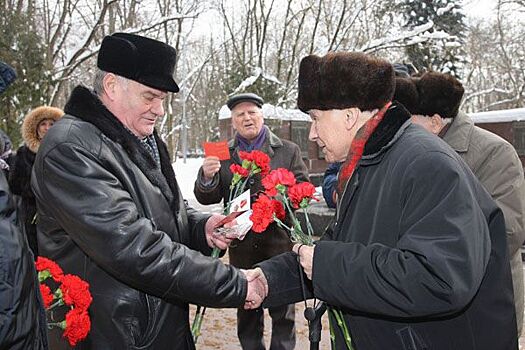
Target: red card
{"points": [[217, 149]]}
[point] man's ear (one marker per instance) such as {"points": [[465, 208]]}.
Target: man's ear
{"points": [[109, 82], [437, 123], [352, 114]]}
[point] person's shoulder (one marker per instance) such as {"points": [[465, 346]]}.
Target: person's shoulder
{"points": [[416, 140], [71, 130], [487, 139], [289, 144]]}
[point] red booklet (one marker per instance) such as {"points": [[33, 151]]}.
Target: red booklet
{"points": [[217, 149]]}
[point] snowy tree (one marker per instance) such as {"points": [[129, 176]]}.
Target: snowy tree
{"points": [[21, 47], [445, 55]]}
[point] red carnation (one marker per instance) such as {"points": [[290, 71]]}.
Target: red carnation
{"points": [[42, 264], [78, 325], [278, 209], [260, 159], [261, 215], [75, 292], [302, 191], [47, 296], [237, 169], [279, 176]]}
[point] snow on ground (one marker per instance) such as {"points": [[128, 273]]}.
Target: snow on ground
{"points": [[186, 174]]}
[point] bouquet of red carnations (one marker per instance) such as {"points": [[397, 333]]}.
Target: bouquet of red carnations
{"points": [[72, 292], [283, 195]]}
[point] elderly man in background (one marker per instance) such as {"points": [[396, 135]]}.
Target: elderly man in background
{"points": [[417, 256], [491, 158], [111, 212], [212, 186]]}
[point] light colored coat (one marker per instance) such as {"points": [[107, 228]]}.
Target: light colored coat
{"points": [[497, 166]]}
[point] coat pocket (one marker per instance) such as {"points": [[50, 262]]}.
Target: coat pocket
{"points": [[147, 335], [410, 339]]}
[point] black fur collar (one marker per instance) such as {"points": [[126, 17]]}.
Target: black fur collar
{"points": [[394, 118], [85, 105]]}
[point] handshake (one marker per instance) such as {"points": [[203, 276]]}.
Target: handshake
{"points": [[257, 288]]}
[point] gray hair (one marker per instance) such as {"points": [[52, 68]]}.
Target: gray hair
{"points": [[98, 82]]}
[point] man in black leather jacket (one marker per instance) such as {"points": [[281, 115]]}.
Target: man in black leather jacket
{"points": [[110, 209]]}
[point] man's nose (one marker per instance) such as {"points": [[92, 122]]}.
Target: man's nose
{"points": [[158, 107], [312, 136]]}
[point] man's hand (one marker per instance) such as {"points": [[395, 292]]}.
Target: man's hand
{"points": [[217, 240], [306, 257], [257, 288], [210, 167]]}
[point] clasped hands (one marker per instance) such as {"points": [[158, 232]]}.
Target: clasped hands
{"points": [[257, 283]]}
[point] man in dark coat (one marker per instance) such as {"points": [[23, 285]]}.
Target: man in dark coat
{"points": [[492, 159], [22, 317], [110, 209], [417, 257], [212, 186]]}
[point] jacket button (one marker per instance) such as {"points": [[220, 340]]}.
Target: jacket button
{"points": [[255, 246], [252, 181]]}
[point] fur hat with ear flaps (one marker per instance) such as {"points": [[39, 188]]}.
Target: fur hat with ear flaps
{"points": [[439, 93], [342, 80], [31, 122]]}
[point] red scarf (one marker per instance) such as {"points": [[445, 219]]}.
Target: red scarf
{"points": [[357, 147]]}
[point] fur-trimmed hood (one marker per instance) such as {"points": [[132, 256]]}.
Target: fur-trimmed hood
{"points": [[31, 122]]}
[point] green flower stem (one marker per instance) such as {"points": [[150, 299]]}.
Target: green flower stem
{"points": [[309, 227], [59, 302], [331, 327], [281, 224], [297, 232], [61, 325], [338, 315], [199, 314]]}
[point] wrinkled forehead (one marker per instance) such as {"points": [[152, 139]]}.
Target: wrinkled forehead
{"points": [[245, 107]]}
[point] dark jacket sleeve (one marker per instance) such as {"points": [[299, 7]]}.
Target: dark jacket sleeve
{"points": [[330, 184], [298, 167], [20, 173], [284, 283], [211, 193], [102, 219], [438, 262]]}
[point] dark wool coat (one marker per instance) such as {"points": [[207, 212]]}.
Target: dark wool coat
{"points": [[20, 184], [22, 318], [417, 257], [255, 247], [109, 214]]}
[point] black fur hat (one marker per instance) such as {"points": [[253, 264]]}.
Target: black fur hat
{"points": [[438, 93], [406, 93], [147, 61], [342, 80]]}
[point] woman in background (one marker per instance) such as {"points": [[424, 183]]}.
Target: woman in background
{"points": [[35, 126]]}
